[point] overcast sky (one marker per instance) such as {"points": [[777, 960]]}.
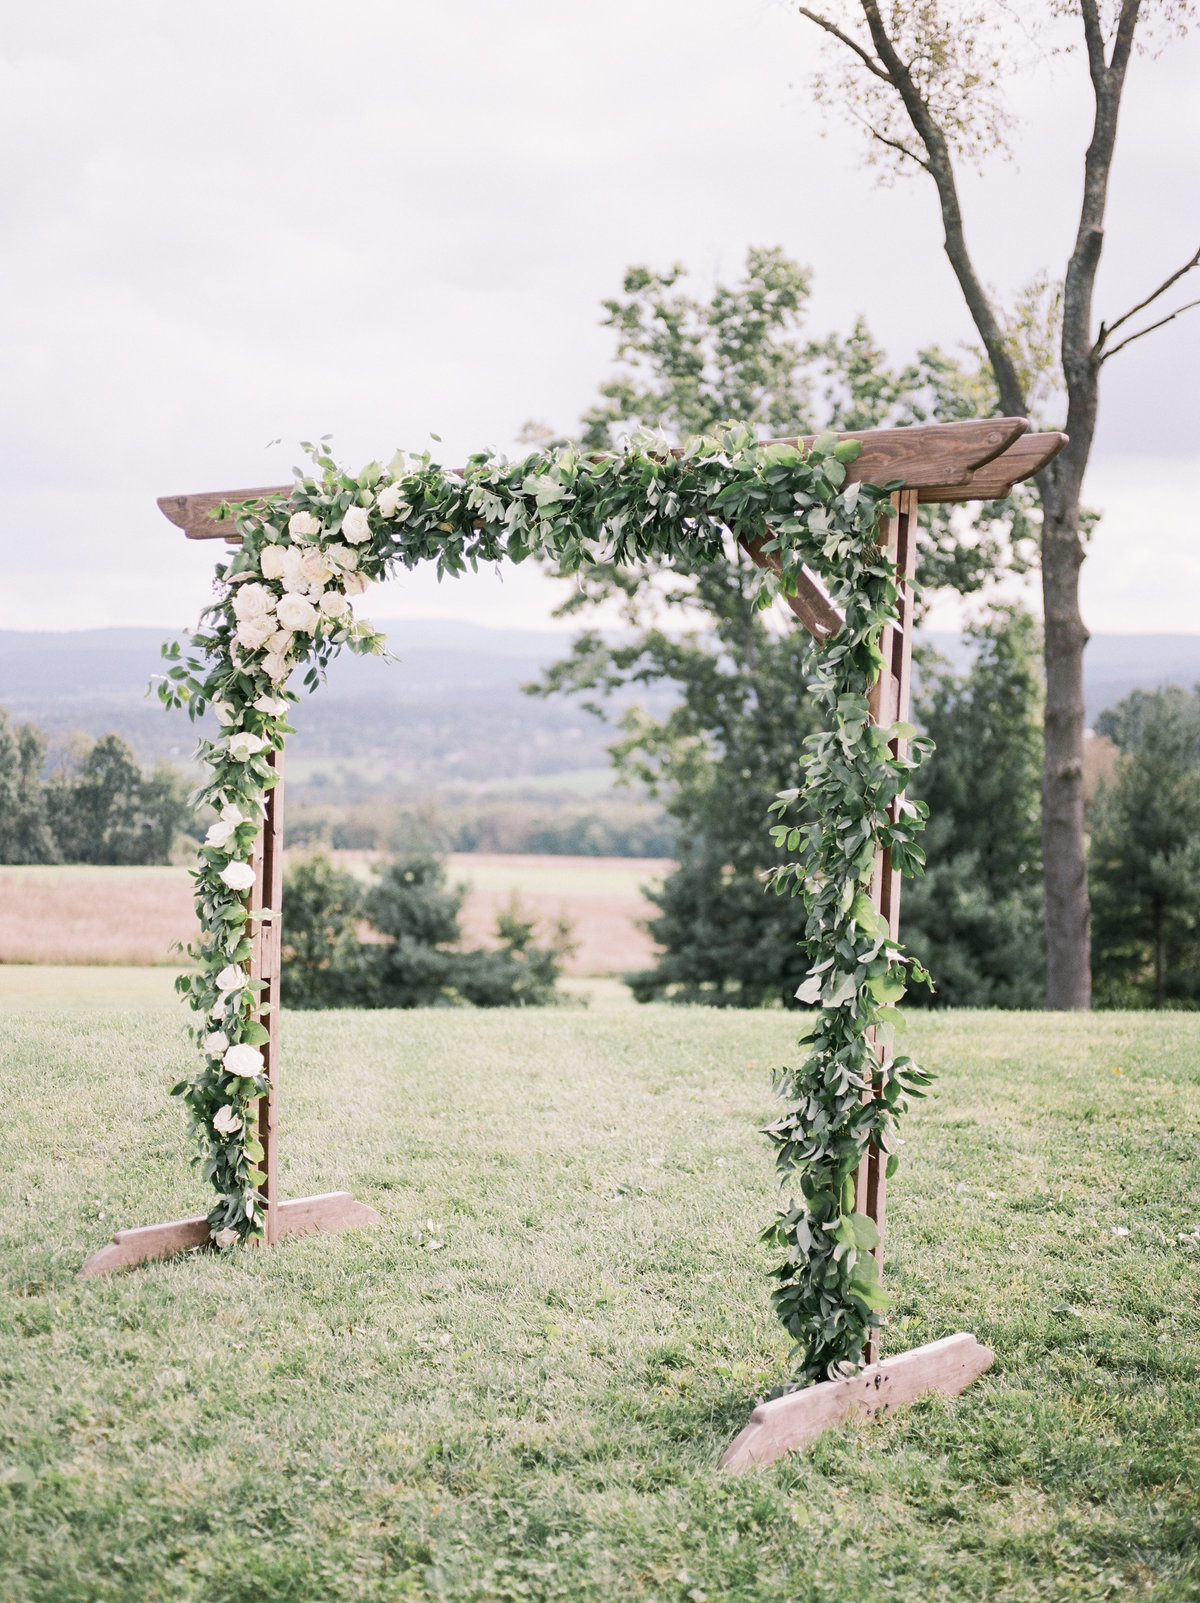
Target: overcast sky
{"points": [[231, 224]]}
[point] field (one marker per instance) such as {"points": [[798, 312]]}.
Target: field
{"points": [[116, 916], [519, 1385]]}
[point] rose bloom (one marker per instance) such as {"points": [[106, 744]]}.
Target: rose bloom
{"points": [[216, 1044], [355, 525], [276, 667], [225, 1120], [296, 613], [252, 601], [270, 561], [243, 746], [238, 876], [225, 1238], [273, 706], [388, 500], [231, 978], [303, 526], [253, 633], [314, 569], [342, 556], [355, 584], [243, 1060], [225, 713], [333, 604], [219, 833]]}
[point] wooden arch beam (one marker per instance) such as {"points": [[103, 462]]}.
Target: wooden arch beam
{"points": [[938, 459]]}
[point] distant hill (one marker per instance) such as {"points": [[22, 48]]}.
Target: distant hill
{"points": [[449, 713]]}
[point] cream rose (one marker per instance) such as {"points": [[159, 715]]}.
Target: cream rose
{"points": [[334, 604], [225, 1238], [342, 556], [220, 832], [243, 1060], [276, 667], [238, 876], [252, 601], [388, 500], [231, 978], [253, 633], [243, 745], [355, 584], [314, 569], [295, 613], [273, 706], [356, 526], [216, 1044], [225, 1120], [270, 561], [225, 713], [303, 526]]}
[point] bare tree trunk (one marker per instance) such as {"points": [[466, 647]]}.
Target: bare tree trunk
{"points": [[1064, 862]]}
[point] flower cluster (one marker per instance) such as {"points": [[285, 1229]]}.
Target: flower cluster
{"points": [[284, 604]]}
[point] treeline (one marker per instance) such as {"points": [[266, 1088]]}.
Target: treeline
{"points": [[96, 806], [396, 942], [606, 827]]}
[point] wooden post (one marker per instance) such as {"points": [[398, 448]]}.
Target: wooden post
{"points": [[332, 1210], [265, 966], [889, 703]]}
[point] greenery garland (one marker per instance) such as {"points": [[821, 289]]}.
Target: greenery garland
{"points": [[284, 603]]}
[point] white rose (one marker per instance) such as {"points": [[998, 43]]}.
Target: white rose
{"points": [[355, 525], [252, 601], [225, 1238], [303, 526], [333, 604], [225, 713], [276, 667], [242, 746], [216, 1044], [243, 1060], [219, 833], [388, 500], [270, 561], [296, 613], [356, 584], [231, 978], [253, 633], [273, 706], [238, 876], [314, 568], [342, 556], [225, 1120]]}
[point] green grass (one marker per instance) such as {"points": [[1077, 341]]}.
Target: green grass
{"points": [[518, 1387]]}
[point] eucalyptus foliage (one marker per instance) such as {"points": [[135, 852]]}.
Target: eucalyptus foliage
{"points": [[281, 606]]}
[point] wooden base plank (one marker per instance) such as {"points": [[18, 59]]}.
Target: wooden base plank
{"points": [[947, 1366], [332, 1210]]}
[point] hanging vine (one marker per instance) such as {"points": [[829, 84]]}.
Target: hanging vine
{"points": [[284, 604]]}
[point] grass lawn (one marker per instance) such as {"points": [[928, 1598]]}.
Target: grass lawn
{"points": [[519, 1386]]}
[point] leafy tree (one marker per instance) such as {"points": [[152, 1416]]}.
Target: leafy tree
{"points": [[25, 833], [1145, 856], [924, 80], [419, 963], [108, 811], [735, 736], [322, 959], [974, 919]]}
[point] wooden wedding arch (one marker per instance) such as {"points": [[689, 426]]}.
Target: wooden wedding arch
{"points": [[976, 460]]}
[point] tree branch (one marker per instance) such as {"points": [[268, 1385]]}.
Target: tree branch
{"points": [[864, 56], [883, 139], [1149, 329], [1110, 328]]}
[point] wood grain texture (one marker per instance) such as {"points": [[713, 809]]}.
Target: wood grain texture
{"points": [[993, 481], [936, 458], [781, 1426], [331, 1210]]}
